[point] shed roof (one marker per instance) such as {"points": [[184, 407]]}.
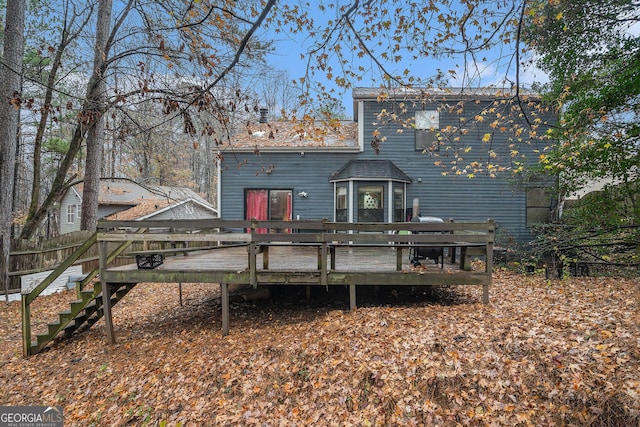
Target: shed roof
{"points": [[121, 191], [370, 169]]}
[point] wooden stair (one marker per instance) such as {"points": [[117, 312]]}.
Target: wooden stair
{"points": [[85, 311]]}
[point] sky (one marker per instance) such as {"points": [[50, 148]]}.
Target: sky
{"points": [[488, 72]]}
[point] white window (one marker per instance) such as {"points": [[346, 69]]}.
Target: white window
{"points": [[371, 203], [427, 130], [428, 120], [71, 214]]}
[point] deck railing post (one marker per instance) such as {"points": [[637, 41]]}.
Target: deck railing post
{"points": [[106, 294], [323, 256], [252, 255], [489, 260], [26, 325]]}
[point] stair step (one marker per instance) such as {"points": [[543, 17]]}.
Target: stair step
{"points": [[78, 304], [87, 294], [42, 339], [69, 329], [54, 327], [35, 348], [85, 311], [92, 306]]}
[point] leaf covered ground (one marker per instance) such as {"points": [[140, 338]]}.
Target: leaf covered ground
{"points": [[541, 353]]}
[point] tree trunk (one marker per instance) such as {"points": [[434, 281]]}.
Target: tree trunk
{"points": [[10, 70], [65, 39], [92, 175], [95, 137]]}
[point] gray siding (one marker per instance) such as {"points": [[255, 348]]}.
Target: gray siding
{"points": [[291, 171], [450, 196], [70, 198]]}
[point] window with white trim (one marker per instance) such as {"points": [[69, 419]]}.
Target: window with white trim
{"points": [[427, 130], [71, 214]]}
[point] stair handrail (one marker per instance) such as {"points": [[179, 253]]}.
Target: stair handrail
{"points": [[28, 297]]}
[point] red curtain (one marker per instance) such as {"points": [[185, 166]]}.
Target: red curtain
{"points": [[258, 206], [288, 215]]}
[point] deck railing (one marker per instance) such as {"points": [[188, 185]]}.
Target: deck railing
{"points": [[470, 238]]}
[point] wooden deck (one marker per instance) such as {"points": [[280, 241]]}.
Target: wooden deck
{"points": [[298, 265], [320, 253]]}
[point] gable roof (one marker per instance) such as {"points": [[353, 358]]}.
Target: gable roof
{"points": [[142, 201], [150, 208], [370, 169], [122, 191]]}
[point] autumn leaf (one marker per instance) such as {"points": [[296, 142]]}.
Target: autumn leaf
{"points": [[542, 350]]}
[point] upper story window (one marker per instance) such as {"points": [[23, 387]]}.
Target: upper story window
{"points": [[427, 129]]}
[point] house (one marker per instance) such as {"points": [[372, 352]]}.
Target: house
{"points": [[123, 199], [443, 153]]}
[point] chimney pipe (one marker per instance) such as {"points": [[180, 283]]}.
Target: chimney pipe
{"points": [[416, 207], [263, 115]]}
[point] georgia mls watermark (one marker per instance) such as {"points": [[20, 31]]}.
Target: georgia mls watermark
{"points": [[31, 416]]}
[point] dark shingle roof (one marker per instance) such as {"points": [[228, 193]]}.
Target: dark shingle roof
{"points": [[370, 169], [299, 134]]}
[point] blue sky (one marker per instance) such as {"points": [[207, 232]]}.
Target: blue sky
{"points": [[488, 70]]}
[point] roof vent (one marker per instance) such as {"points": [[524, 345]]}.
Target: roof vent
{"points": [[263, 115]]}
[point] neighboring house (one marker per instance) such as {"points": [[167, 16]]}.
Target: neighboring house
{"points": [[437, 152], [123, 199]]}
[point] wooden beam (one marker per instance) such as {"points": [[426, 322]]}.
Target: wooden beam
{"points": [[224, 295], [323, 264], [265, 257], [352, 297], [170, 237], [26, 326], [252, 265], [488, 270], [61, 268], [106, 296]]}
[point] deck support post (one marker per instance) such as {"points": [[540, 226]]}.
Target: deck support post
{"points": [[106, 295], [224, 294], [323, 263], [489, 262], [26, 326], [180, 292], [399, 259], [352, 297], [108, 317]]}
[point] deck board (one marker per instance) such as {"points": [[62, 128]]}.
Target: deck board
{"points": [[296, 265], [288, 258]]}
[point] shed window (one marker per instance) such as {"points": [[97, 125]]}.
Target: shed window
{"points": [[71, 214]]}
